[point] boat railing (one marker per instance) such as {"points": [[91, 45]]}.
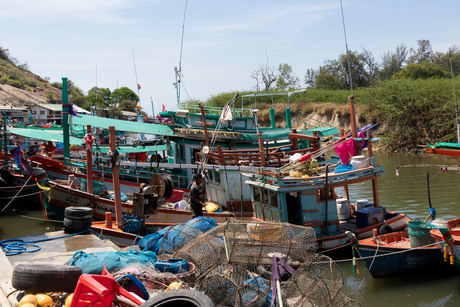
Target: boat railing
{"points": [[334, 179], [195, 109], [278, 155]]}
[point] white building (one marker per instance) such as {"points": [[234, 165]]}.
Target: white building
{"points": [[44, 113]]}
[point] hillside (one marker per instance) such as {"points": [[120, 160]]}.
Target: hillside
{"points": [[20, 87]]}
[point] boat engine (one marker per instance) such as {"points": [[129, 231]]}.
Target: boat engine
{"points": [[146, 200]]}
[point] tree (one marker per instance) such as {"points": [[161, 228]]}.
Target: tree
{"points": [[124, 93], [267, 76], [422, 54], [444, 59], [128, 105], [353, 65], [327, 79], [392, 62], [310, 77], [424, 70], [285, 79], [372, 66], [99, 96]]}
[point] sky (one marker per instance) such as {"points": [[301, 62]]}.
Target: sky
{"points": [[122, 43]]}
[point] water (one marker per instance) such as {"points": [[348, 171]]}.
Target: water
{"points": [[405, 193]]}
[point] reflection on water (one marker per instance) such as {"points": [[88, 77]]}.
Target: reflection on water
{"points": [[405, 193]]}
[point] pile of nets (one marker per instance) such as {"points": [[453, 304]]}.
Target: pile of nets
{"points": [[234, 266]]}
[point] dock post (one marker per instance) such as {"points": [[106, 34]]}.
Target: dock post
{"points": [[89, 160], [116, 179]]}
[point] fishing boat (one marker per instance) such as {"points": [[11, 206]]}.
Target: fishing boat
{"points": [[306, 194], [404, 252], [450, 238]]}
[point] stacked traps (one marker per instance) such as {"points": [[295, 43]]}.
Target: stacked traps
{"points": [[234, 265]]}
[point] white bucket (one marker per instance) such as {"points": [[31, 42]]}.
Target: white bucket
{"points": [[358, 162], [361, 204], [343, 209], [439, 223]]}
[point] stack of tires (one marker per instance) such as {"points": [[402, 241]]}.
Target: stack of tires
{"points": [[77, 219]]}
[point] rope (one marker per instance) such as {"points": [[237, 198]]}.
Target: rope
{"points": [[4, 208], [19, 246]]}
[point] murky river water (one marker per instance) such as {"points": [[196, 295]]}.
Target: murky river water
{"points": [[405, 193]]}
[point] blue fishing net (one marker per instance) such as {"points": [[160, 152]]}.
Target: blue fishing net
{"points": [[114, 261], [172, 238]]}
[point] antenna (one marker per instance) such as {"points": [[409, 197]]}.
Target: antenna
{"points": [[135, 73], [455, 98], [179, 71]]}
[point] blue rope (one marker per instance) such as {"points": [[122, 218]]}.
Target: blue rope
{"points": [[19, 246]]}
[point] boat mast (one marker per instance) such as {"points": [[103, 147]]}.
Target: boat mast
{"points": [[455, 98]]}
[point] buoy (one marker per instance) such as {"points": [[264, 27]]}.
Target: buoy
{"points": [[28, 299], [174, 286], [44, 300], [68, 300]]}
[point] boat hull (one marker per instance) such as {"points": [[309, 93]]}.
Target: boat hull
{"points": [[62, 196]]}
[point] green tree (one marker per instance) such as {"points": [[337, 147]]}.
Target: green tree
{"points": [[128, 105], [423, 52], [392, 62], [99, 96], [286, 79], [264, 75], [124, 93], [425, 70]]}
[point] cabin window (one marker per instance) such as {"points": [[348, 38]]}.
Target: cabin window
{"points": [[273, 199], [265, 196], [42, 112], [217, 177], [211, 176], [257, 194]]}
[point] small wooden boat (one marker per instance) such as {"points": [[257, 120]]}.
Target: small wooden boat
{"points": [[391, 254]]}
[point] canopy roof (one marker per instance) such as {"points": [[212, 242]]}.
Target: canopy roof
{"points": [[44, 135], [122, 125]]}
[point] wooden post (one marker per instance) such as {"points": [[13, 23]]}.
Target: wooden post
{"points": [[294, 141], [315, 143], [354, 127], [261, 148], [205, 127], [89, 163], [116, 181], [369, 143], [221, 155]]}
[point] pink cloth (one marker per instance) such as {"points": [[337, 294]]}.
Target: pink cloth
{"points": [[345, 151]]}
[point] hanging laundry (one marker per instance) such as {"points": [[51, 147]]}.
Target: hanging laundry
{"points": [[345, 151]]}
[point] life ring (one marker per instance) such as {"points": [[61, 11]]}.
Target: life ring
{"points": [[384, 229], [313, 168]]}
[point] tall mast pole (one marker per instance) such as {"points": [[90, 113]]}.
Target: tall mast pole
{"points": [[455, 98]]}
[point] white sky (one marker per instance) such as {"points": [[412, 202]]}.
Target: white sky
{"points": [[224, 41]]}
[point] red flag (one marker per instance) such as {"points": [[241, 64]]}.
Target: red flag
{"points": [[138, 86], [164, 109]]}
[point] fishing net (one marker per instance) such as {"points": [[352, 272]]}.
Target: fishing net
{"points": [[234, 266]]}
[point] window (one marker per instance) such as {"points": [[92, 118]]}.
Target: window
{"points": [[273, 199], [265, 196], [257, 194], [42, 112]]}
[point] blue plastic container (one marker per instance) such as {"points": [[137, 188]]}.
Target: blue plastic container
{"points": [[173, 265], [368, 216]]}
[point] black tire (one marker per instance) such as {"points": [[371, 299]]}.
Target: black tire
{"points": [[168, 186], [38, 277], [74, 226], [78, 213], [384, 229], [181, 297]]}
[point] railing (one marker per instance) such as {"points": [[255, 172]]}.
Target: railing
{"points": [[274, 156]]}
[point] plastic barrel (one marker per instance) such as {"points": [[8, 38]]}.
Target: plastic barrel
{"points": [[419, 233]]}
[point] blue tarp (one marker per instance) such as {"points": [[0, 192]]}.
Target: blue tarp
{"points": [[174, 237]]}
